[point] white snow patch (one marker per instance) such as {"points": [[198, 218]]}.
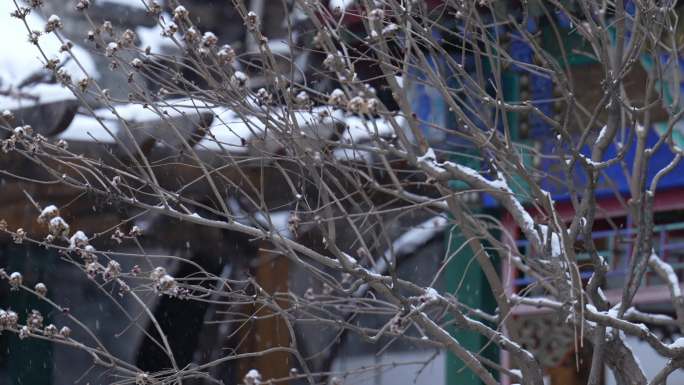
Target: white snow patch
{"points": [[88, 129], [666, 269], [431, 294], [420, 234], [428, 156], [359, 129], [556, 244], [33, 95], [677, 344], [400, 80], [136, 112], [279, 219], [229, 132], [528, 222], [152, 37], [280, 47], [429, 159], [390, 28], [640, 129], [602, 133], [341, 4], [351, 154], [137, 4]]}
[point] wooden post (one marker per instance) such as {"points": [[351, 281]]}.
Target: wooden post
{"points": [[268, 330]]}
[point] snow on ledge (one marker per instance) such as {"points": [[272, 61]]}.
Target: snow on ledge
{"points": [[88, 129], [136, 4], [229, 131], [31, 96], [141, 113]]}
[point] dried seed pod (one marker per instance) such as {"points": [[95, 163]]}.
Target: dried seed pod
{"points": [[65, 331], [302, 99], [192, 36], [40, 289], [92, 269], [15, 280], [166, 284], [209, 39], [264, 97], [111, 49], [180, 13], [82, 5], [157, 273], [34, 320], [11, 319], [112, 270], [58, 227], [238, 80], [252, 21], [226, 55], [376, 14], [24, 332], [50, 331], [143, 379], [136, 63], [18, 236], [253, 377], [3, 319], [88, 254], [108, 27], [78, 240], [135, 231], [127, 38], [54, 23]]}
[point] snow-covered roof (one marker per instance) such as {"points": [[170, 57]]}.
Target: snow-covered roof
{"points": [[230, 132], [141, 113], [360, 129], [35, 94], [233, 133], [22, 59]]}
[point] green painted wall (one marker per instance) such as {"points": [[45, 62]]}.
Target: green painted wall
{"points": [[468, 283]]}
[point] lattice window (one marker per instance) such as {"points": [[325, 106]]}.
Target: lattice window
{"points": [[614, 240]]}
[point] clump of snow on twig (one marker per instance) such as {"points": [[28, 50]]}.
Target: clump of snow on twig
{"points": [[49, 212], [253, 377], [78, 240]]}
